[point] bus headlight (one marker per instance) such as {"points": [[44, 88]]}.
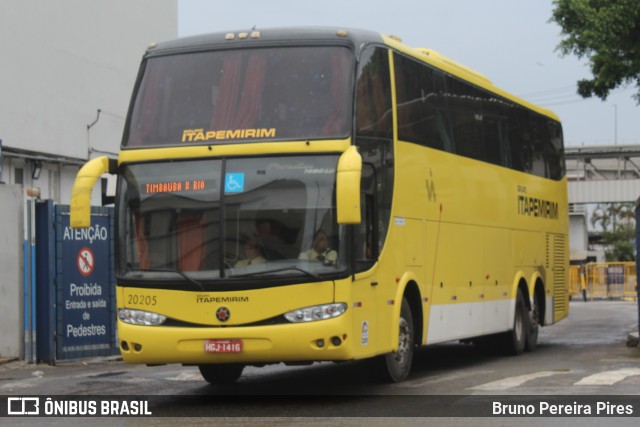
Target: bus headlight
{"points": [[140, 317], [316, 312]]}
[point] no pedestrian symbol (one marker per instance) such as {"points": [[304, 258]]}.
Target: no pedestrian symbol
{"points": [[86, 261]]}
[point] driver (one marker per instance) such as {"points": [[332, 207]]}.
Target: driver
{"points": [[320, 249], [252, 253]]}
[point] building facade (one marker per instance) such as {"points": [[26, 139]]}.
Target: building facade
{"points": [[67, 72], [68, 69]]}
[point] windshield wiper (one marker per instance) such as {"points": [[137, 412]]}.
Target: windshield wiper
{"points": [[277, 270], [171, 270]]}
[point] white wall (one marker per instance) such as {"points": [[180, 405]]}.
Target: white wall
{"points": [[11, 266], [627, 190], [63, 60], [578, 236]]}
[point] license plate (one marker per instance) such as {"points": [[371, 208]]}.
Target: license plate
{"points": [[223, 346]]}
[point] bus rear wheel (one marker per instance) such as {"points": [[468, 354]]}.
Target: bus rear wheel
{"points": [[533, 325], [395, 367], [221, 374], [513, 341]]}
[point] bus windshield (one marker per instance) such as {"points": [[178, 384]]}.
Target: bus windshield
{"points": [[227, 219], [214, 97]]}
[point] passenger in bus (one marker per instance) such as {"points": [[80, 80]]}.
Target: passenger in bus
{"points": [[320, 249], [253, 254], [273, 246]]}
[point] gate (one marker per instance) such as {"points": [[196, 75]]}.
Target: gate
{"points": [[605, 280], [75, 285]]}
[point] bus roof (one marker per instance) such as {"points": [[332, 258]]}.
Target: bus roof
{"points": [[356, 39], [262, 37]]}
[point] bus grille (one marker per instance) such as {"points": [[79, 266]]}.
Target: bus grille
{"points": [[556, 261]]}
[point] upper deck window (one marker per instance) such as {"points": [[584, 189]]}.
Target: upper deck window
{"points": [[287, 93]]}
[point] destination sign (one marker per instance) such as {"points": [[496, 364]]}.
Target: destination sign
{"points": [[178, 186]]}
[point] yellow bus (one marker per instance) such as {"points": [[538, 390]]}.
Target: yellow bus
{"points": [[301, 195]]}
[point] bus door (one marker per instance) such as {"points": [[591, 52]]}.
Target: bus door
{"points": [[374, 138], [366, 292]]}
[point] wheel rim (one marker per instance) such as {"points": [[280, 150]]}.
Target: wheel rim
{"points": [[404, 342], [519, 329], [534, 314]]}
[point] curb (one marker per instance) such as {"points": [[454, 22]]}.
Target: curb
{"points": [[89, 360], [5, 360], [82, 361], [633, 340]]}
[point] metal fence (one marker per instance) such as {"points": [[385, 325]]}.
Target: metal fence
{"points": [[604, 280]]}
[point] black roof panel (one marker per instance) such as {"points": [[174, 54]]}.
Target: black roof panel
{"points": [[268, 36]]}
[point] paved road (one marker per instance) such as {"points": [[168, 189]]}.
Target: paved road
{"points": [[582, 355]]}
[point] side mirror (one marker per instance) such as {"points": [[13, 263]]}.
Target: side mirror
{"points": [[81, 191], [348, 186]]}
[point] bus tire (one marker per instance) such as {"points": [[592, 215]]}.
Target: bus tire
{"points": [[396, 366], [513, 341], [221, 374], [533, 325]]}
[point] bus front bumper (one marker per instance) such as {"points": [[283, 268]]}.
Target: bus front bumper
{"points": [[326, 340]]}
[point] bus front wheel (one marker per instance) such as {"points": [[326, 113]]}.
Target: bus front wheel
{"points": [[221, 374], [395, 367]]}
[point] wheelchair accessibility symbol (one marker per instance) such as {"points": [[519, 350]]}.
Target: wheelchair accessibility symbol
{"points": [[234, 182]]}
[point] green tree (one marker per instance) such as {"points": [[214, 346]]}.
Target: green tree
{"points": [[617, 222], [607, 33], [620, 243]]}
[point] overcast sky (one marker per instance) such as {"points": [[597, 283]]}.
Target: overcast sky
{"points": [[510, 41]]}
